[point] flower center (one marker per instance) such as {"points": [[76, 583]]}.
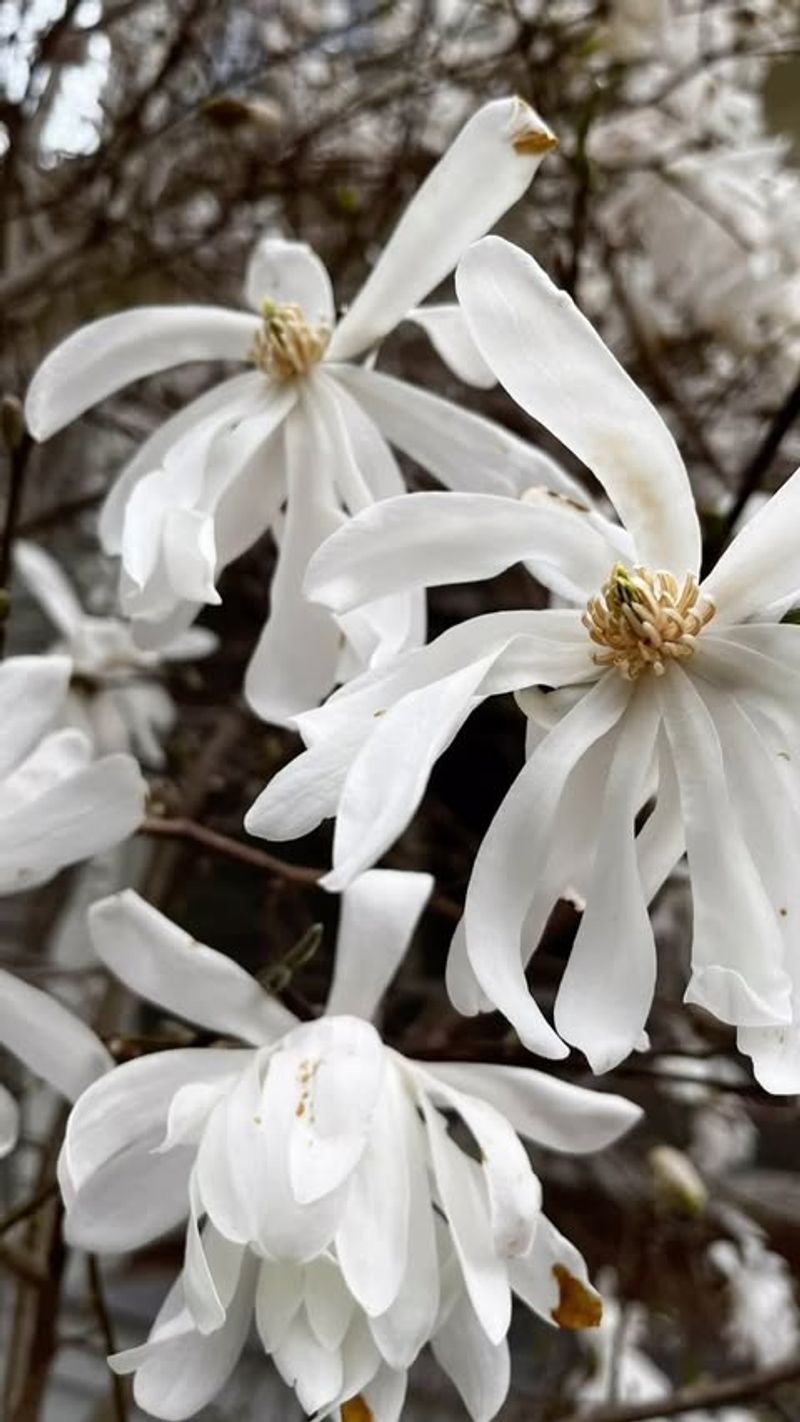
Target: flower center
{"points": [[287, 345], [644, 620]]}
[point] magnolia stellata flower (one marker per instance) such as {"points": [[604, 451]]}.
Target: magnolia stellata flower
{"points": [[57, 806], [113, 696], [50, 1041], [763, 1324], [303, 437], [315, 1145], [658, 687]]}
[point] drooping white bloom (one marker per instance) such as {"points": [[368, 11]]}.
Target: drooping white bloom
{"points": [[57, 805], [763, 1324], [113, 696], [304, 437], [311, 1164], [657, 687], [52, 1042]]}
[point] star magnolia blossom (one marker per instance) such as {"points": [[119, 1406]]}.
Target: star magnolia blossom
{"points": [[57, 806], [113, 697], [661, 688], [311, 1165], [302, 438]]}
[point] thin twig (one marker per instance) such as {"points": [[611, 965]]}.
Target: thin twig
{"points": [[719, 1393], [18, 444], [28, 1207], [97, 1298]]}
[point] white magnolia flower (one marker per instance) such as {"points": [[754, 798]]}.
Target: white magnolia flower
{"points": [[659, 687], [113, 696], [311, 1163], [57, 805], [50, 1041], [304, 436], [763, 1325]]}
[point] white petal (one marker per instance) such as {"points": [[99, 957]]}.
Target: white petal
{"points": [[9, 1122], [480, 1369], [428, 540], [514, 848], [329, 1304], [465, 451], [305, 791], [373, 1237], [289, 273], [760, 566], [132, 1200], [279, 1294], [314, 1372], [59, 756], [385, 1394], [371, 452], [104, 356], [483, 172], [661, 843], [515, 1196], [731, 910], [463, 988], [449, 335], [556, 367], [255, 491], [211, 1269], [294, 663], [553, 1281], [464, 1199], [52, 1042], [379, 913], [608, 984], [553, 1113], [32, 691], [349, 478], [44, 579], [87, 813], [161, 962]]}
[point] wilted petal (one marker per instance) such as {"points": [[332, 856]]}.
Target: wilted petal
{"points": [[553, 1281]]}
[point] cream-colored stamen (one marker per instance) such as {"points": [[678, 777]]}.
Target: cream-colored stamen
{"points": [[287, 345], [643, 620]]}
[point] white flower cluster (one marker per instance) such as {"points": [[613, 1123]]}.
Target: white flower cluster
{"points": [[357, 1203]]}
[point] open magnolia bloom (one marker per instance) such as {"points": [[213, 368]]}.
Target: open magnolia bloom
{"points": [[657, 688], [113, 696], [57, 805], [303, 438], [311, 1164]]}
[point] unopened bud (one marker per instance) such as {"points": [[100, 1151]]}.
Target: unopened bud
{"points": [[678, 1184], [228, 111]]}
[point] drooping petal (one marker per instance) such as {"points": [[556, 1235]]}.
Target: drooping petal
{"points": [[50, 1040], [486, 169], [279, 1295], [385, 1394], [313, 1371], [289, 273], [465, 451], [515, 848], [305, 791], [293, 666], [328, 1301], [544, 1109], [373, 1240], [165, 964], [46, 582], [448, 333], [556, 367], [379, 913], [32, 690], [108, 354], [58, 757], [479, 1368], [211, 1268], [554, 1282], [130, 1201], [760, 566], [731, 909], [432, 539], [608, 984]]}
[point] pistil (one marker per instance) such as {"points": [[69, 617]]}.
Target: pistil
{"points": [[644, 620]]}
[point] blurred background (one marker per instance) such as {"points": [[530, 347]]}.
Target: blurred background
{"points": [[145, 146]]}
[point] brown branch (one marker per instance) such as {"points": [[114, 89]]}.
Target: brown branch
{"points": [[97, 1299], [18, 446], [720, 1393], [28, 1207]]}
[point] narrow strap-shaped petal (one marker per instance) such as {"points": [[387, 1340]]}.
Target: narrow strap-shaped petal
{"points": [[484, 171], [760, 566], [556, 367], [108, 354], [431, 539], [306, 791], [379, 913], [554, 1282], [165, 964], [448, 333], [313, 1371], [46, 582], [465, 451], [32, 690], [608, 984], [289, 273], [515, 849], [479, 1369], [50, 1040]]}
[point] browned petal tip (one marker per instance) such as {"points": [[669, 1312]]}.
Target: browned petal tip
{"points": [[355, 1410], [578, 1307], [534, 140]]}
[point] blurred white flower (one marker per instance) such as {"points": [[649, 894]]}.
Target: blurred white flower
{"points": [[326, 1154], [763, 1325], [113, 696], [661, 687], [57, 805], [304, 438]]}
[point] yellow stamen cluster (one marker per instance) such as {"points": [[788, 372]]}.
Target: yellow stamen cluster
{"points": [[287, 345], [643, 620]]}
